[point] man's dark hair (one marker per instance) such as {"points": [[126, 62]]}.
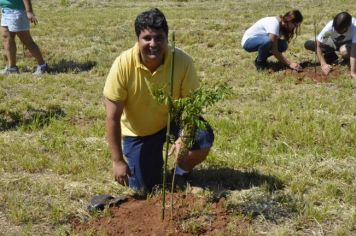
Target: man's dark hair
{"points": [[153, 19], [342, 21]]}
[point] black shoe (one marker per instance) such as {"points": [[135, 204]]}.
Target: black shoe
{"points": [[260, 65], [330, 57]]}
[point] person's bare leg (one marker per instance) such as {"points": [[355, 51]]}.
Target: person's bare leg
{"points": [[9, 46], [193, 159], [27, 40]]}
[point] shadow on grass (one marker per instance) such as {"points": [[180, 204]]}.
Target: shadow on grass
{"points": [[30, 120], [277, 66], [64, 66], [273, 205], [230, 179]]}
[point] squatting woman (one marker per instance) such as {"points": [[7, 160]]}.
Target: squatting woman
{"points": [[270, 36]]}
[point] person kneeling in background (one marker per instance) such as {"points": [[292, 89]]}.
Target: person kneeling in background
{"points": [[270, 36], [339, 35]]}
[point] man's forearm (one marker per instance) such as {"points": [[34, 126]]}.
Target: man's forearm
{"points": [[353, 67], [113, 135], [353, 61], [320, 54]]}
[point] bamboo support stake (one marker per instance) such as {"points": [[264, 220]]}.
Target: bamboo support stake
{"points": [[315, 52], [173, 181], [168, 131]]}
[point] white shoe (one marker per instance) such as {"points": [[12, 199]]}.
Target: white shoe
{"points": [[41, 69], [9, 70]]}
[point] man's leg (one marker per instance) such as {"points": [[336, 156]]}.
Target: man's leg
{"points": [[9, 46], [193, 159], [328, 49], [145, 160], [310, 45], [202, 144]]}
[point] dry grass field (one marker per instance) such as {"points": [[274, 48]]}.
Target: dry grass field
{"points": [[284, 157]]}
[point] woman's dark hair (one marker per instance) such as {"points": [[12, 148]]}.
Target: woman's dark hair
{"points": [[153, 19], [295, 17], [342, 21]]}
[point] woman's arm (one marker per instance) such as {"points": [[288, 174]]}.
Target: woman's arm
{"points": [[282, 59]]}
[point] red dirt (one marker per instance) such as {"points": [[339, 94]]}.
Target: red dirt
{"points": [[193, 215], [310, 73]]}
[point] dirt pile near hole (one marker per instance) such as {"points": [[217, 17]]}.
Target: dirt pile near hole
{"points": [[310, 73], [192, 215]]}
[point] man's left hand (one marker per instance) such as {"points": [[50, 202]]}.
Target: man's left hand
{"points": [[176, 147]]}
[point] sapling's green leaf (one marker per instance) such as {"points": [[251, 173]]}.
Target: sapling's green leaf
{"points": [[187, 111]]}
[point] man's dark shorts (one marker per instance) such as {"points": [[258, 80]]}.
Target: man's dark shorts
{"points": [[145, 155]]}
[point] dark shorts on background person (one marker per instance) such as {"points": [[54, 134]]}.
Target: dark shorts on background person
{"points": [[145, 155], [328, 46]]}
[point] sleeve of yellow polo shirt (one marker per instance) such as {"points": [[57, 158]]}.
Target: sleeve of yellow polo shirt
{"points": [[115, 88], [190, 81]]}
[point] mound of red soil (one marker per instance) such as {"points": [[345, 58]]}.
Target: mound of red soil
{"points": [[192, 215], [310, 73]]}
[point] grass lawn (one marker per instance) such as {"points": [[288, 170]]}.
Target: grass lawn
{"points": [[299, 135]]}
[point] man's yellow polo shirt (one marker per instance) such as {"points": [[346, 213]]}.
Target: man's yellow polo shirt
{"points": [[131, 82]]}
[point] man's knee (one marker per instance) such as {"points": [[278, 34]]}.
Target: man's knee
{"points": [[310, 45], [193, 158]]}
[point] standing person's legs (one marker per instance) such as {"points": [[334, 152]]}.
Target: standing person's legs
{"points": [[12, 22], [15, 22], [27, 40], [9, 46]]}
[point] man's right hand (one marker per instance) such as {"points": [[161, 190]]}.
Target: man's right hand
{"points": [[326, 68], [121, 172]]}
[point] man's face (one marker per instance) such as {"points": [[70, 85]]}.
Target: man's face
{"points": [[342, 31], [152, 44]]}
